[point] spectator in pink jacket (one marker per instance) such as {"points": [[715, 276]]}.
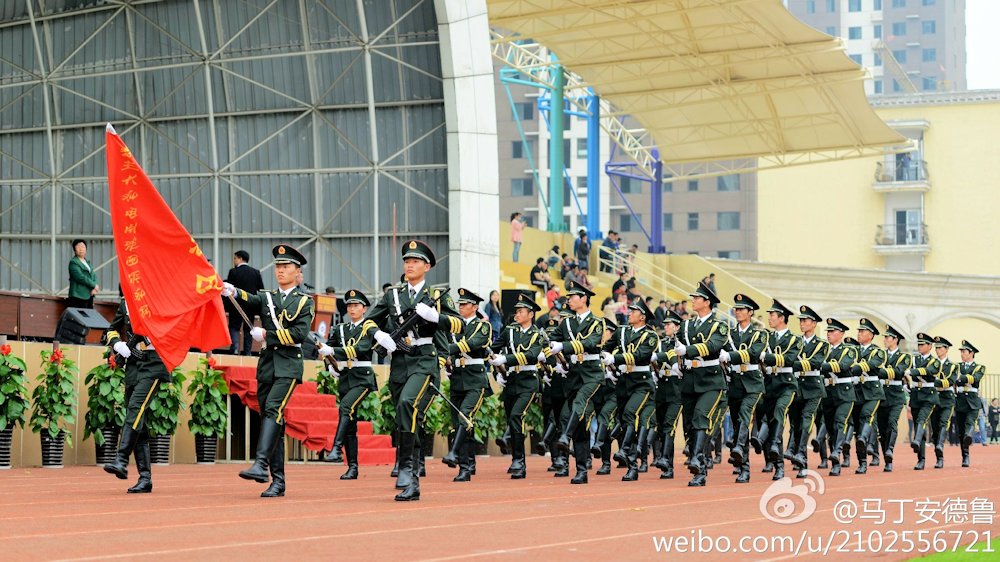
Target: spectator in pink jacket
{"points": [[516, 228]]}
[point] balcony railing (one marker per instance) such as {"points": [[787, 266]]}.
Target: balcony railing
{"points": [[901, 171], [901, 235]]}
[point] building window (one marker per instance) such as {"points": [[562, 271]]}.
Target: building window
{"points": [[668, 186], [900, 55], [810, 6], [878, 59], [581, 149], [929, 2], [529, 221], [525, 111], [668, 222], [898, 3], [930, 55], [521, 187], [692, 185], [630, 223], [727, 183], [520, 149], [929, 83], [877, 5], [729, 254], [878, 31], [856, 58], [854, 32], [878, 86], [581, 183], [692, 221], [729, 221], [630, 185], [831, 5], [895, 86], [567, 155], [854, 6], [928, 27], [899, 28], [831, 31]]}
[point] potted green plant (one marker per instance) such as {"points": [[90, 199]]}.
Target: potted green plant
{"points": [[385, 424], [13, 399], [208, 391], [534, 420], [54, 401], [326, 383], [106, 408], [161, 416]]}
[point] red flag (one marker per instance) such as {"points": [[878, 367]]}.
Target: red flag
{"points": [[172, 292]]}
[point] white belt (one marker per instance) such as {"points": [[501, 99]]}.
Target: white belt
{"points": [[742, 368], [521, 368], [924, 385], [586, 357], [844, 380], [810, 374], [894, 383], [634, 369], [462, 362], [418, 341], [694, 364], [785, 370], [949, 389], [353, 364], [971, 389]]}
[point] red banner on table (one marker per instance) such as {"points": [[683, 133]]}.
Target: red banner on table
{"points": [[172, 292]]}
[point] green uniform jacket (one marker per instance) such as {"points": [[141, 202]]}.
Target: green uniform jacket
{"points": [[423, 360], [870, 361], [351, 343], [281, 356], [668, 387], [814, 353], [784, 352], [579, 338], [895, 368], [925, 370], [555, 388], [521, 348], [81, 279], [744, 350], [703, 343], [969, 376], [838, 366], [472, 343], [633, 348], [149, 367]]}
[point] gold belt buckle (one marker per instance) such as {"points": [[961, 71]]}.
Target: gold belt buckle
{"points": [[694, 364], [743, 368], [631, 368], [461, 362], [579, 358], [409, 340], [349, 363]]}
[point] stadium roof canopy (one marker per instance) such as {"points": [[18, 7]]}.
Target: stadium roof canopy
{"points": [[710, 79]]}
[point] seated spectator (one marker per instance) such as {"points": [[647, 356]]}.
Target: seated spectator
{"points": [[583, 279], [555, 260], [572, 275], [609, 307], [621, 310], [661, 312], [551, 295], [621, 285], [540, 276]]}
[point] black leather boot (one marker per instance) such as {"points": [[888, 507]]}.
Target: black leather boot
{"points": [[542, 446], [409, 450], [581, 452], [504, 442], [888, 444], [519, 467], [633, 467], [799, 456], [561, 462], [599, 438], [422, 457], [643, 454], [270, 432], [142, 464], [465, 462], [779, 470], [452, 458], [835, 451], [338, 440], [774, 450], [562, 443], [738, 454], [965, 455], [395, 467], [668, 458], [126, 444], [744, 475], [921, 447], [277, 466], [697, 465], [627, 442], [768, 467], [757, 440], [656, 443], [351, 452], [407, 460], [605, 459], [939, 449], [819, 439]]}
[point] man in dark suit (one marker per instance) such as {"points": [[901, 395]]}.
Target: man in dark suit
{"points": [[242, 276]]}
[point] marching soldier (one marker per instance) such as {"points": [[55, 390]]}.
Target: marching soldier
{"points": [[783, 348], [668, 394], [941, 417], [923, 394], [802, 413], [413, 371], [967, 401], [606, 404], [553, 400], [704, 384], [746, 384], [467, 353], [840, 392], [350, 345], [520, 344], [868, 389], [894, 370], [285, 316], [633, 349], [142, 376], [581, 335]]}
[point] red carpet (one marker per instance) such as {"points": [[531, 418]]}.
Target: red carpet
{"points": [[312, 417]]}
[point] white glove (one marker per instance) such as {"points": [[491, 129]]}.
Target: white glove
{"points": [[559, 369], [228, 290], [680, 349], [501, 381], [257, 334], [724, 356], [607, 358], [610, 377], [546, 380], [762, 354], [333, 371], [325, 350], [541, 357], [556, 347], [385, 340], [498, 360], [675, 369], [427, 313], [121, 348]]}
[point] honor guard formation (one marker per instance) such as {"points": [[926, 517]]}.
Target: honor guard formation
{"points": [[597, 383]]}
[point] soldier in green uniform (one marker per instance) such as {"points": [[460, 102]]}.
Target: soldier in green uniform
{"points": [[840, 391], [469, 385], [941, 417], [802, 412], [701, 339], [411, 373], [518, 347], [606, 402], [893, 371], [746, 383], [580, 335], [350, 345], [868, 389], [142, 376], [553, 399], [631, 350], [668, 394], [286, 316], [923, 394], [967, 401], [781, 353]]}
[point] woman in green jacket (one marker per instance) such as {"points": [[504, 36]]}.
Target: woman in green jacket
{"points": [[82, 279]]}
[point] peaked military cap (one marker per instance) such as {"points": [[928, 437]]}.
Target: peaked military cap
{"points": [[924, 338], [673, 317], [609, 325], [526, 300], [566, 313], [355, 296], [967, 345], [467, 296], [890, 331], [866, 324], [283, 253], [851, 341], [834, 324], [809, 313], [418, 249], [578, 289], [940, 341], [743, 301], [780, 309], [640, 305], [704, 292]]}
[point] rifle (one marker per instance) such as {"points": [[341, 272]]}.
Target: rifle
{"points": [[560, 358], [408, 320], [327, 359]]}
